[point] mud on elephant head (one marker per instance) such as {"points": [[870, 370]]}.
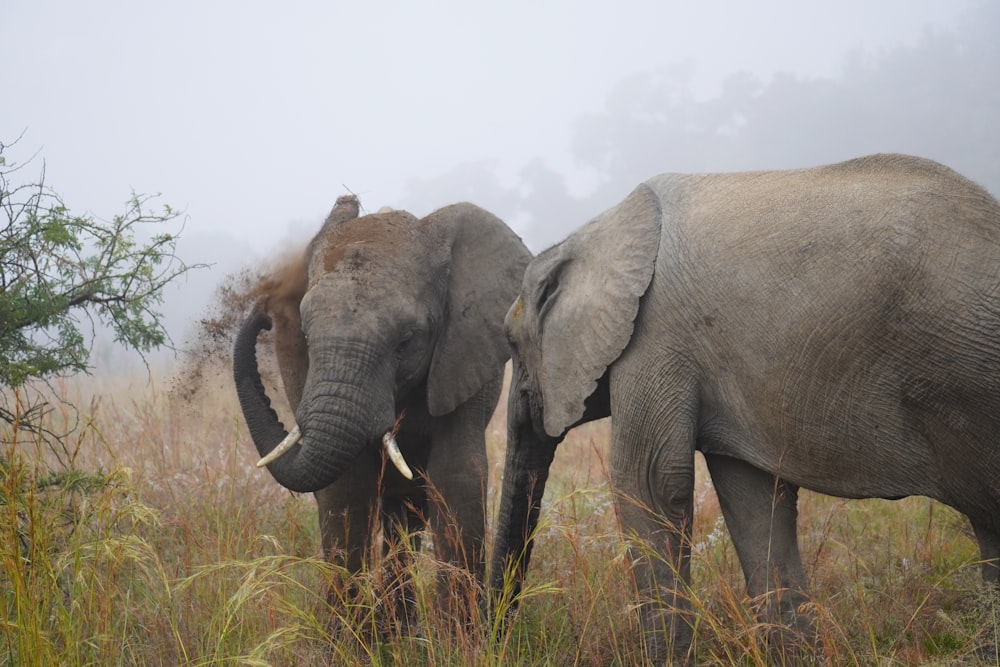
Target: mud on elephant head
{"points": [[378, 308]]}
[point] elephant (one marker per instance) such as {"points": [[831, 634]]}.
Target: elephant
{"points": [[835, 328], [388, 331]]}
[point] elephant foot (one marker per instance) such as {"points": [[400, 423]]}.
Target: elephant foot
{"points": [[398, 619], [987, 646], [792, 637], [357, 629], [350, 637], [461, 608], [788, 646], [667, 634], [986, 653]]}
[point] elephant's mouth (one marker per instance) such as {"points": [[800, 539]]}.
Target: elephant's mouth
{"points": [[388, 442]]}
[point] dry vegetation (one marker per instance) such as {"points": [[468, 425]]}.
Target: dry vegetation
{"points": [[168, 547]]}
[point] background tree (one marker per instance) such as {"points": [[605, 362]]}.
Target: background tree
{"points": [[65, 276], [936, 98]]}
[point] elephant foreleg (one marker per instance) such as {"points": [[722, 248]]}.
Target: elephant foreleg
{"points": [[457, 518], [652, 467], [458, 476], [346, 524], [761, 512], [402, 524]]}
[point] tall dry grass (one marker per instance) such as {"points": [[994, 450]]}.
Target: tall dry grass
{"points": [[147, 537]]}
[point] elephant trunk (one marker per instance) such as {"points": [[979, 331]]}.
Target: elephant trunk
{"points": [[328, 447], [525, 473], [308, 466]]}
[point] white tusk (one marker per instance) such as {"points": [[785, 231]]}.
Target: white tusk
{"points": [[290, 441], [396, 456]]}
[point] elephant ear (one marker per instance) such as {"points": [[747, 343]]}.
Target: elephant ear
{"points": [[587, 300], [487, 263], [291, 350], [283, 291]]}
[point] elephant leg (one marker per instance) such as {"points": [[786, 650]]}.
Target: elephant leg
{"points": [[346, 523], [989, 554], [345, 526], [457, 516], [761, 512], [402, 524], [458, 473], [652, 464]]}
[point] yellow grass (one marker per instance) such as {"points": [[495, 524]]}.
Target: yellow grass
{"points": [[171, 548]]}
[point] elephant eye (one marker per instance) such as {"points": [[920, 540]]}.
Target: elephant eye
{"points": [[548, 285], [548, 289], [404, 340]]}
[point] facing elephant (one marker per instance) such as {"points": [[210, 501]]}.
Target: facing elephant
{"points": [[834, 328], [388, 322]]}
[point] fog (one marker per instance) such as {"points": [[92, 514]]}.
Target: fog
{"points": [[253, 119]]}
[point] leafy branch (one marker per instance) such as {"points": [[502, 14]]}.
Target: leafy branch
{"points": [[60, 270]]}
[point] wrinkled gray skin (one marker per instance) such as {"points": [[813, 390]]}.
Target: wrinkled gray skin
{"points": [[393, 314], [835, 328]]}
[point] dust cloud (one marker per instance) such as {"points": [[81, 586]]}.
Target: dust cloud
{"points": [[206, 361]]}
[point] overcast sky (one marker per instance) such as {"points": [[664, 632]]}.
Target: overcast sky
{"points": [[254, 116]]}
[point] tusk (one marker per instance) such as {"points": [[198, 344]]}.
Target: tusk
{"points": [[396, 456], [290, 441]]}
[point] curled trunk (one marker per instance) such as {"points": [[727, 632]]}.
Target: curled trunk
{"points": [[308, 466]]}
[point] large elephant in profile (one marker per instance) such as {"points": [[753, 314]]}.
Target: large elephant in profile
{"points": [[388, 334], [834, 328]]}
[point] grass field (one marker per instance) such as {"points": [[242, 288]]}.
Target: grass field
{"points": [[147, 537]]}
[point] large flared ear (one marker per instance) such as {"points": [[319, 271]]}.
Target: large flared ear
{"points": [[585, 296], [487, 263]]}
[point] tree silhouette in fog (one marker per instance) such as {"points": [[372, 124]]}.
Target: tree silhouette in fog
{"points": [[937, 98]]}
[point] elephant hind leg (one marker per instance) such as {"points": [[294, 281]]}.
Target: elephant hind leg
{"points": [[761, 513], [989, 554]]}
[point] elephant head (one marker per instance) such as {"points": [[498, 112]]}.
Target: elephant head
{"points": [[384, 307], [590, 285]]}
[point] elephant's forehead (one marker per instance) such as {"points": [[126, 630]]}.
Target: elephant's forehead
{"points": [[368, 244]]}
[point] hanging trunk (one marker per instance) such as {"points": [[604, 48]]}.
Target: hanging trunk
{"points": [[529, 457], [525, 474]]}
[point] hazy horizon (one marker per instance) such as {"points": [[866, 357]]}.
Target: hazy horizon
{"points": [[253, 119]]}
